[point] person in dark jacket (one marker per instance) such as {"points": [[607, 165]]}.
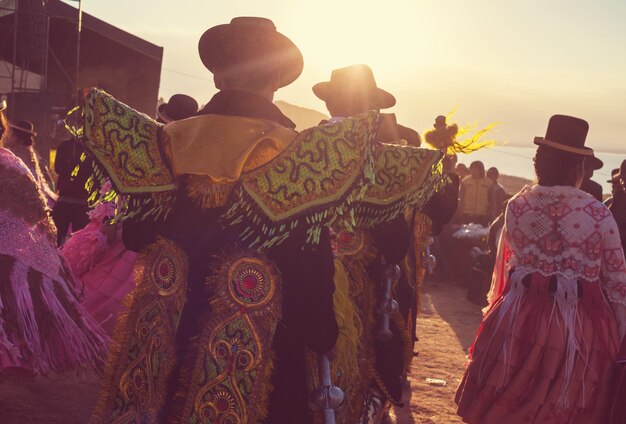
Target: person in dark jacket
{"points": [[618, 202], [616, 186], [71, 207], [592, 164]]}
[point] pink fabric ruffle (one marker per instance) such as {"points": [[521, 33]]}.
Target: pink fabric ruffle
{"points": [[108, 283], [106, 271], [521, 371]]}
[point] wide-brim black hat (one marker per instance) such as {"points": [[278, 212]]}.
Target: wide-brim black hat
{"points": [[355, 80], [25, 127], [253, 44], [566, 133], [621, 173], [614, 175], [179, 106]]}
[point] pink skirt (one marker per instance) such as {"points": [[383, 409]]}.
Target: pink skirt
{"points": [[541, 356], [105, 270], [107, 284]]}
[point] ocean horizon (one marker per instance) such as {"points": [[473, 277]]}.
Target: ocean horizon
{"points": [[518, 161]]}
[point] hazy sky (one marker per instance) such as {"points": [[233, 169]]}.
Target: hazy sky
{"points": [[513, 61]]}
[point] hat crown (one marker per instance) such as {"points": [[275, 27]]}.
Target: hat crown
{"points": [[567, 130], [180, 106], [354, 82], [27, 125], [359, 76], [253, 45], [253, 22]]}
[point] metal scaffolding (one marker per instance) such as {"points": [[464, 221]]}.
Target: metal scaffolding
{"points": [[26, 68]]}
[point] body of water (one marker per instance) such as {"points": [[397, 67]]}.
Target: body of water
{"points": [[518, 161]]}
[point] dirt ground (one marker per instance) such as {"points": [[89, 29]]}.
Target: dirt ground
{"points": [[446, 328]]}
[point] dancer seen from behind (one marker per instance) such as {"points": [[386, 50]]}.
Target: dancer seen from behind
{"points": [[350, 91], [203, 279], [371, 361], [43, 327], [557, 311]]}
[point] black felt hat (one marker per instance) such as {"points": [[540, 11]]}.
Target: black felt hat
{"points": [[353, 80], [614, 175], [25, 127], [566, 133], [621, 173], [179, 106], [251, 43]]}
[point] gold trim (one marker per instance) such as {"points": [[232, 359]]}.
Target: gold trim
{"points": [[565, 148]]}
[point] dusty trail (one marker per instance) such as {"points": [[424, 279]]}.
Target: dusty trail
{"points": [[446, 327]]}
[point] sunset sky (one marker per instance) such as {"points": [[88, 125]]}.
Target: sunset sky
{"points": [[514, 61]]}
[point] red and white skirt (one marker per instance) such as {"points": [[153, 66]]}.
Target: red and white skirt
{"points": [[543, 354]]}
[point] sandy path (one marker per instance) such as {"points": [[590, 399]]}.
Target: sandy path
{"points": [[446, 328]]}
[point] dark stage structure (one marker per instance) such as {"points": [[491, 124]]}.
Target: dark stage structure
{"points": [[50, 52]]}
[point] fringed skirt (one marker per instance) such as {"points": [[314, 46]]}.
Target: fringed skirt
{"points": [[43, 328], [543, 354]]}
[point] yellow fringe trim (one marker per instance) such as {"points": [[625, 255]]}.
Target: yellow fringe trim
{"points": [[206, 193], [349, 322]]}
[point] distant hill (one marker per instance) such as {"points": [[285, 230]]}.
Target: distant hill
{"points": [[303, 117]]}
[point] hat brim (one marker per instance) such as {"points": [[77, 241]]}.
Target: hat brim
{"points": [[24, 130], [379, 98], [162, 115], [596, 163], [583, 151], [221, 44]]}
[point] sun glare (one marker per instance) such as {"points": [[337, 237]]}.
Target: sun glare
{"points": [[342, 33]]}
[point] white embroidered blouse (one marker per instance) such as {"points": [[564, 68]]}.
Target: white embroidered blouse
{"points": [[565, 231]]}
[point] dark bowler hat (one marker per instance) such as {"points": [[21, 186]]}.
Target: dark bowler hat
{"points": [[252, 43], [352, 81], [567, 134], [614, 175], [25, 127], [621, 173], [179, 106]]}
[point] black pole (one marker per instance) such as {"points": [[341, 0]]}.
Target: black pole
{"points": [[78, 32]]}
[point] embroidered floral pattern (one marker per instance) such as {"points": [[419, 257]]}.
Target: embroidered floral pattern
{"points": [[562, 230]]}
